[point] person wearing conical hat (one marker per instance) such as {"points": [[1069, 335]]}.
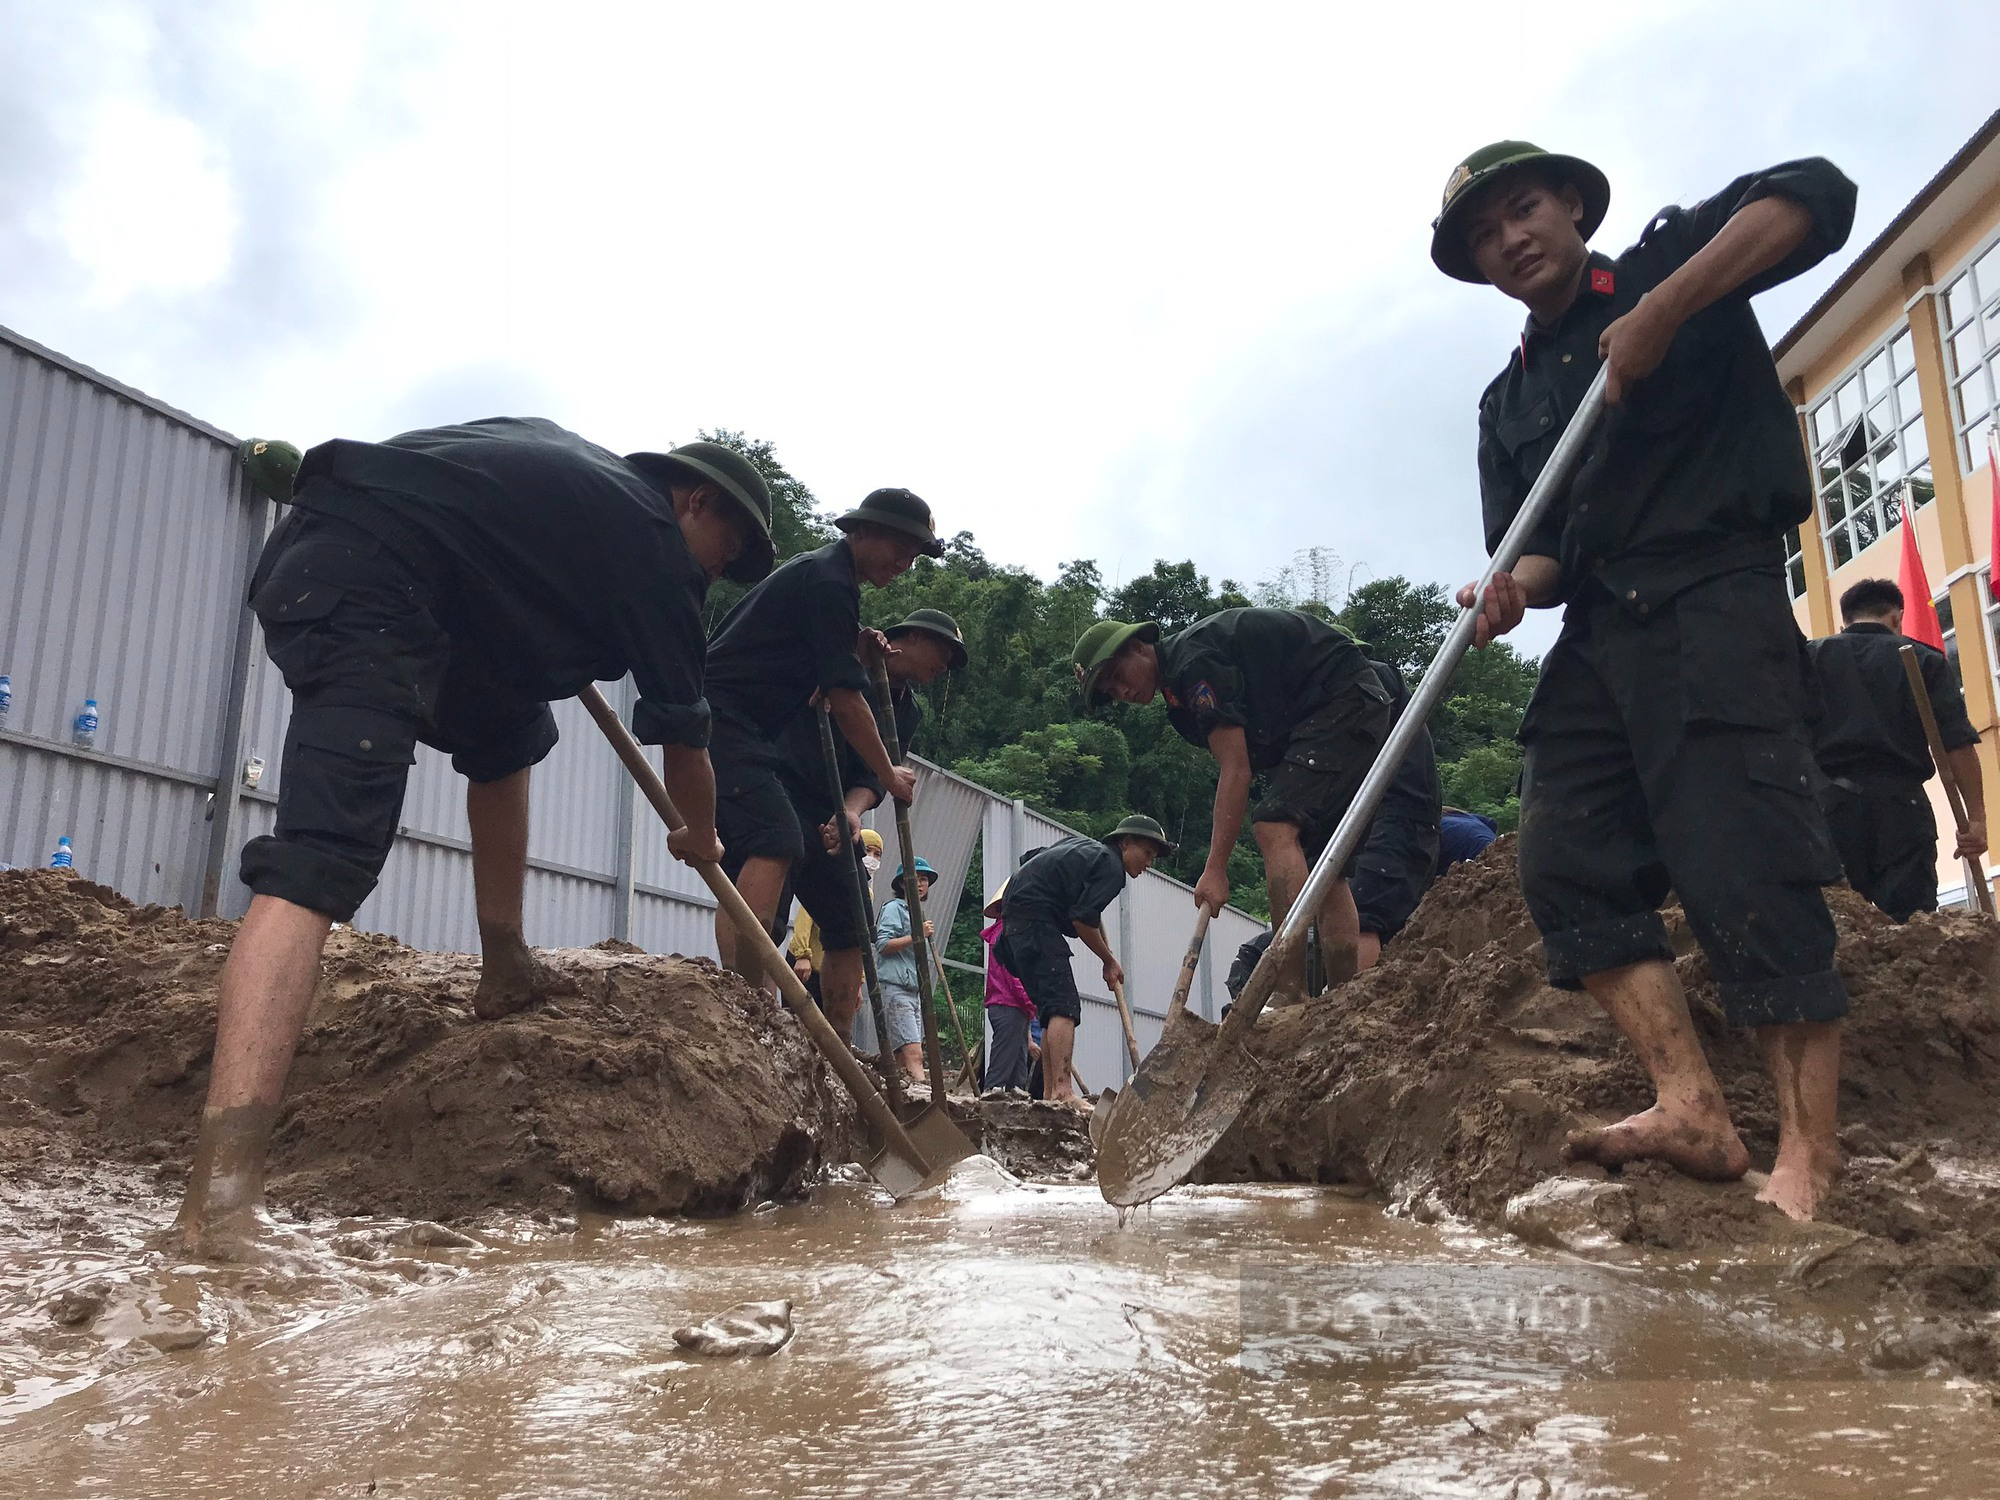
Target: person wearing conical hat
{"points": [[1665, 745], [795, 639], [1060, 893], [443, 588], [1276, 693]]}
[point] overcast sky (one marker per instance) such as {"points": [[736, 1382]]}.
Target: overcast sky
{"points": [[1110, 281]]}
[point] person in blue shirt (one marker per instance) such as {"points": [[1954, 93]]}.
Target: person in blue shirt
{"points": [[896, 967]]}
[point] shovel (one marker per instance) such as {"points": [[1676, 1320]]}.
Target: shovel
{"points": [[891, 1069], [1101, 1115], [931, 1126], [900, 1164], [1199, 1077]]}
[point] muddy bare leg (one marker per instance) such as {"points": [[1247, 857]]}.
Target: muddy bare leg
{"points": [[1368, 952], [1804, 1063], [1058, 1045], [1688, 1126], [1284, 877], [760, 883], [511, 978], [911, 1056], [266, 991], [840, 989], [1340, 934]]}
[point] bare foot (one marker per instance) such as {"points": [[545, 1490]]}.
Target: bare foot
{"points": [[512, 979], [246, 1237], [1800, 1178], [1702, 1146]]}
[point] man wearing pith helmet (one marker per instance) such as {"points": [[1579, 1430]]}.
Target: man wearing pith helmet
{"points": [[1665, 743], [922, 649], [1060, 892], [444, 587], [1276, 693], [793, 639]]}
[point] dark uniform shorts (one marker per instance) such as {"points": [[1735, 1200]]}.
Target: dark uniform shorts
{"points": [[1887, 838], [1326, 759], [351, 624], [1037, 954], [1668, 752], [1395, 869], [753, 814], [825, 883]]}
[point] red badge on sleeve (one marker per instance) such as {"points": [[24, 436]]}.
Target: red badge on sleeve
{"points": [[1602, 281]]}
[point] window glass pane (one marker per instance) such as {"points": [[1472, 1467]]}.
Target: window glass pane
{"points": [[1916, 447], [1867, 526], [1958, 301], [1795, 578], [1843, 548], [1909, 400], [1875, 375], [1825, 425], [1902, 353], [1834, 503], [1888, 460], [1849, 397], [1967, 347], [1922, 488], [1972, 397], [1943, 603], [1986, 271]]}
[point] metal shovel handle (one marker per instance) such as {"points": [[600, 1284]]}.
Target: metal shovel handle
{"points": [[749, 930], [1354, 824]]}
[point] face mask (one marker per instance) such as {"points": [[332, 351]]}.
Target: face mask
{"points": [[871, 863]]}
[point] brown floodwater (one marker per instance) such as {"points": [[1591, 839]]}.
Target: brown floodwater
{"points": [[987, 1340]]}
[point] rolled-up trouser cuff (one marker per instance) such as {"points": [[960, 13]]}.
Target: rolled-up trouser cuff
{"points": [[305, 877], [1790, 1001], [1610, 944]]}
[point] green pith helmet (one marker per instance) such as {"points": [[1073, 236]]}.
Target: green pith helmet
{"points": [[271, 467], [937, 623], [1139, 826], [1097, 645], [898, 510], [923, 868], [739, 479], [1448, 250]]}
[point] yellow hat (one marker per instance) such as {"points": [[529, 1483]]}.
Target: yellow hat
{"points": [[993, 901], [871, 841]]}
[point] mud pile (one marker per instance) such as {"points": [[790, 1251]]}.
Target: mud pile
{"points": [[1448, 1077], [661, 1086]]}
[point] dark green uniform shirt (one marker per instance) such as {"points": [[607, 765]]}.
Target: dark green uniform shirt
{"points": [[1068, 882], [1265, 670]]}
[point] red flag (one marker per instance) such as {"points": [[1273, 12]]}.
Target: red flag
{"points": [[1993, 478], [1920, 617]]}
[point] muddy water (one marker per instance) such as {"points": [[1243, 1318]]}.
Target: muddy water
{"points": [[989, 1340]]}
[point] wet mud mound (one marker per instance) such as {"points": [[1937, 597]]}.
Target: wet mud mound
{"points": [[661, 1086], [1032, 1138], [1448, 1077]]}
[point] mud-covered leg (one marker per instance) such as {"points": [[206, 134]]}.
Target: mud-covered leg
{"points": [[1688, 1126], [1804, 1062], [511, 978], [267, 989]]}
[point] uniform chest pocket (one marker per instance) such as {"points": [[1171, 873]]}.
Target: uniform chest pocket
{"points": [[1520, 431]]}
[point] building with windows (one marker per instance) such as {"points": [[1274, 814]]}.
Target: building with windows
{"points": [[1895, 373]]}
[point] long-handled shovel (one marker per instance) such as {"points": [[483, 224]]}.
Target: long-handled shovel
{"points": [[1100, 1116], [1176, 1112], [931, 1125], [901, 1165], [1976, 888], [891, 1069]]}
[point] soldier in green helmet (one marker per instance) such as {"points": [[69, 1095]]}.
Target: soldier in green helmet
{"points": [[442, 588], [1276, 693], [1060, 892], [1666, 747]]}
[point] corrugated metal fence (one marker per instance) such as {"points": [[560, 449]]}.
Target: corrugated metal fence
{"points": [[127, 536]]}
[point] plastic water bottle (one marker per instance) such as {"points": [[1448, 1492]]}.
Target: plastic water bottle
{"points": [[6, 699], [64, 858], [85, 736]]}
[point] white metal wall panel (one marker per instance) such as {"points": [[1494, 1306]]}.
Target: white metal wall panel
{"points": [[944, 821], [123, 534], [144, 836], [662, 924]]}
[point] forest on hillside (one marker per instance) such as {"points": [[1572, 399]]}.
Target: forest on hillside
{"points": [[1014, 722]]}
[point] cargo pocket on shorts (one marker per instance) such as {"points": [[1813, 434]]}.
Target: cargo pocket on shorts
{"points": [[1785, 832], [1740, 658]]}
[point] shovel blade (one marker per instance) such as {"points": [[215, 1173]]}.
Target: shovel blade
{"points": [[1100, 1116], [938, 1137], [1192, 1087]]}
